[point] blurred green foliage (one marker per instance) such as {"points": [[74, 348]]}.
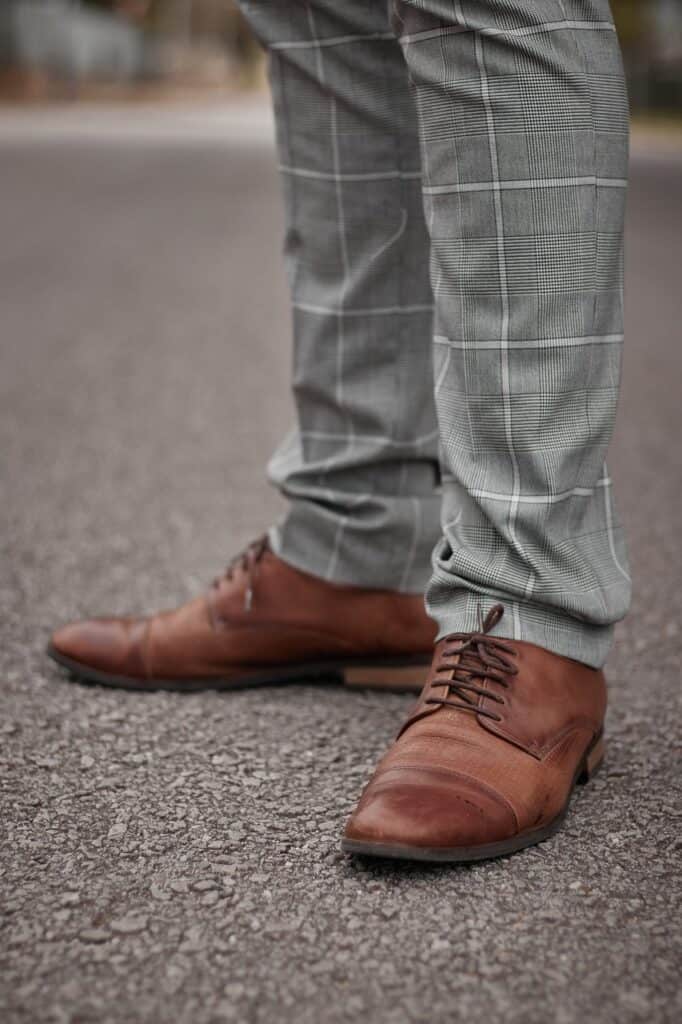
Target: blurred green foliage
{"points": [[631, 19], [650, 33]]}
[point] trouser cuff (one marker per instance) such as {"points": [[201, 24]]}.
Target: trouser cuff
{"points": [[463, 611], [385, 546]]}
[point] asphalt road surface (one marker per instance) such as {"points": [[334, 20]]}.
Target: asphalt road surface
{"points": [[169, 858]]}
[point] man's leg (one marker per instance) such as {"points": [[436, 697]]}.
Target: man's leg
{"points": [[524, 127], [360, 470], [523, 121], [338, 590]]}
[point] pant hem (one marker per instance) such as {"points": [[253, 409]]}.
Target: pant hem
{"points": [[533, 624], [362, 561]]}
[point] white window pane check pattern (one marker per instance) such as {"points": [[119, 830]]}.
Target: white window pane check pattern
{"points": [[454, 177]]}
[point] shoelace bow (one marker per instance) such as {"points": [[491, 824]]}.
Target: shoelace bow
{"points": [[480, 657], [247, 560]]}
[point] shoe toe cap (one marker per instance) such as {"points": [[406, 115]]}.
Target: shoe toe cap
{"points": [[429, 809], [106, 645]]}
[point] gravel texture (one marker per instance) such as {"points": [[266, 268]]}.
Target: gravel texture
{"points": [[170, 858]]}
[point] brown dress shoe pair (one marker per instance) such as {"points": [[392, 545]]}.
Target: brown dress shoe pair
{"points": [[488, 757]]}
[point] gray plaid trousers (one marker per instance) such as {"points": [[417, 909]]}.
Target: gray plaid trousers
{"points": [[454, 178]]}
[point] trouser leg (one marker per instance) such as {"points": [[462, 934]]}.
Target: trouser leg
{"points": [[523, 121], [360, 471]]}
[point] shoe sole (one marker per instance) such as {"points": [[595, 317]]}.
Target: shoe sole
{"points": [[399, 675], [589, 765]]}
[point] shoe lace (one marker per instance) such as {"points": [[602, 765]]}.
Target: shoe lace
{"points": [[479, 657], [247, 560]]}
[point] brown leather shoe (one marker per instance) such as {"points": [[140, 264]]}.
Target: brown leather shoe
{"points": [[262, 622], [489, 756]]}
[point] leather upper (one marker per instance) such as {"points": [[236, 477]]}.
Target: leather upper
{"points": [[460, 778], [292, 617]]}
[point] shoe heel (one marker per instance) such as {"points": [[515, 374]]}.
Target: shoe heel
{"points": [[593, 761], [399, 678]]}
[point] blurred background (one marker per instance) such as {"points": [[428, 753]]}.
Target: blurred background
{"points": [[85, 48], [89, 48], [172, 857]]}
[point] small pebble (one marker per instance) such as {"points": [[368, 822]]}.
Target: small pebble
{"points": [[204, 885], [129, 925], [94, 935]]}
